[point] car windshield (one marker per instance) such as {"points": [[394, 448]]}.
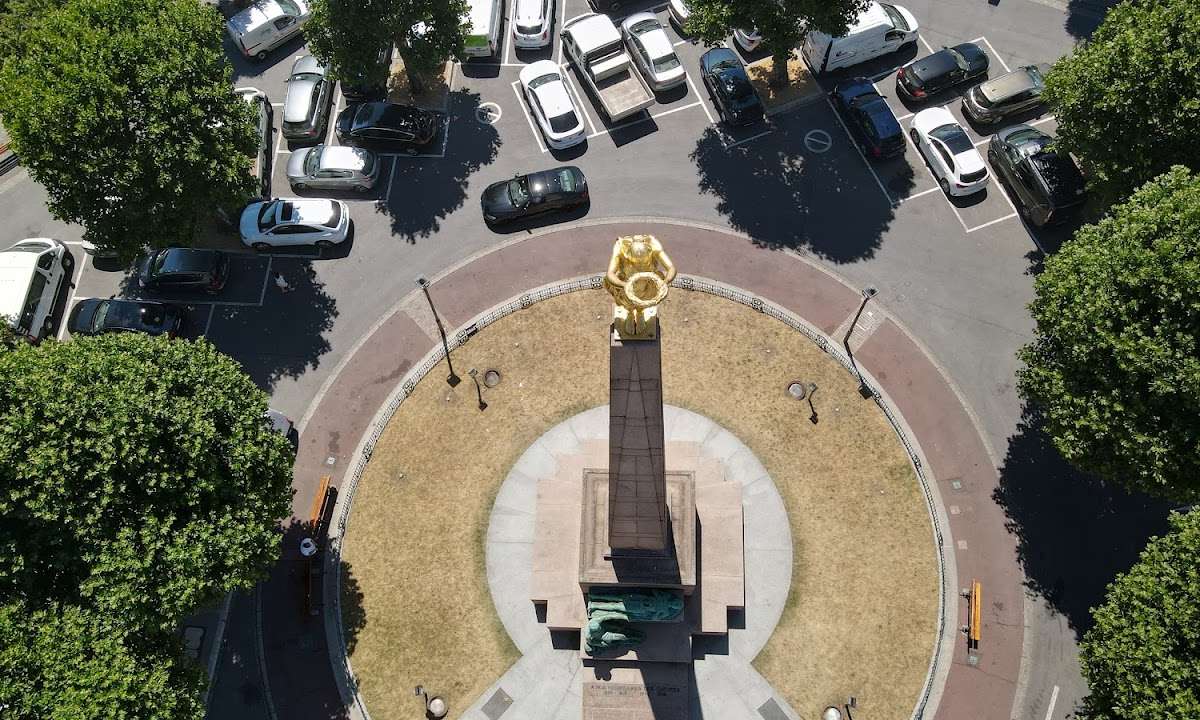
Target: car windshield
{"points": [[665, 63], [541, 80], [518, 191], [288, 7], [312, 161], [566, 180], [101, 314], [159, 262], [953, 137], [266, 216], [1035, 76], [894, 15], [958, 57], [565, 122], [368, 164], [644, 26]]}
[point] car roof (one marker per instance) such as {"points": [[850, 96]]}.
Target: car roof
{"points": [[595, 28], [528, 10], [854, 87], [310, 210], [385, 114], [716, 55], [255, 16], [933, 117], [1007, 85], [554, 98], [537, 69], [308, 64], [656, 42], [548, 181], [939, 63], [299, 100], [187, 259], [872, 15], [341, 157], [16, 269]]}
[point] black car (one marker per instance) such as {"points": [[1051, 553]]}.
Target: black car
{"points": [[730, 87], [94, 316], [384, 125], [533, 194], [1046, 184], [869, 118], [359, 87], [185, 269], [1014, 93], [947, 67]]}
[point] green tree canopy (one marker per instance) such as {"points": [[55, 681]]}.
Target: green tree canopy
{"points": [[122, 109], [1115, 361], [782, 23], [1128, 100], [71, 664], [1142, 657], [137, 476], [347, 36]]}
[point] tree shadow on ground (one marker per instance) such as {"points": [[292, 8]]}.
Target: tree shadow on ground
{"points": [[354, 615], [284, 337], [826, 203], [1074, 533], [1084, 16], [425, 190]]}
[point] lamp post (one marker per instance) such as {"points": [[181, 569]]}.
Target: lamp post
{"points": [[867, 293], [478, 389], [452, 380]]}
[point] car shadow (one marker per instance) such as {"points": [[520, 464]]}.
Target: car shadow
{"points": [[480, 68], [425, 190], [1074, 532], [824, 203], [244, 67], [874, 70]]}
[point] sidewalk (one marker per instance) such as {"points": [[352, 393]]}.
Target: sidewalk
{"points": [[982, 687]]}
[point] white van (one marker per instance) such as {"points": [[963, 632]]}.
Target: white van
{"points": [[486, 17], [878, 30], [31, 274], [266, 25]]}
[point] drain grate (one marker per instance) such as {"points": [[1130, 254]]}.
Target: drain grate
{"points": [[497, 704], [770, 710]]}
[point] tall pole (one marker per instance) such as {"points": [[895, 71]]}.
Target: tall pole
{"points": [[453, 379], [867, 293]]}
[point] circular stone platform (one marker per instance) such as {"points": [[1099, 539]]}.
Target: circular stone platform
{"points": [[768, 539], [420, 552]]}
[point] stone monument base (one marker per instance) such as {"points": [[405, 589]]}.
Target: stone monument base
{"points": [[651, 692]]}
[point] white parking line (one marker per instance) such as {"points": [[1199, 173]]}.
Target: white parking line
{"points": [[700, 97], [211, 310], [1041, 121], [279, 141], [746, 140], [992, 222], [1002, 63], [904, 117], [276, 104], [923, 192], [78, 275], [925, 43], [533, 127], [266, 277], [857, 149], [1053, 702], [391, 179]]}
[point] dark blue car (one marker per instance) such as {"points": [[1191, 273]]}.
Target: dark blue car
{"points": [[869, 118], [730, 87]]}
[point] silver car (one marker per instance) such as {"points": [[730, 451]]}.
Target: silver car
{"points": [[333, 167], [306, 108]]}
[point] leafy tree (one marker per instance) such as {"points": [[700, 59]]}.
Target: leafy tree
{"points": [[1142, 657], [1115, 361], [347, 35], [133, 130], [72, 664], [1128, 100], [782, 23], [137, 476]]}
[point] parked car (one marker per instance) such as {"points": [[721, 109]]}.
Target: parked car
{"points": [[532, 22], [747, 40], [552, 104], [309, 94], [879, 29], [945, 68], [1046, 184], [359, 88], [32, 273], [652, 51], [388, 126], [283, 425], [266, 25], [593, 43], [730, 87], [285, 222], [95, 316], [263, 114], [679, 11], [949, 152], [333, 167], [533, 194], [869, 118], [1010, 94], [184, 269]]}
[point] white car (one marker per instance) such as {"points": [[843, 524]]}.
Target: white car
{"points": [[546, 92], [295, 221], [333, 167], [532, 22], [651, 50], [680, 12], [266, 25], [949, 152], [32, 273], [748, 40]]}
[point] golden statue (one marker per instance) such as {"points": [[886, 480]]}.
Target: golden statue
{"points": [[638, 276]]}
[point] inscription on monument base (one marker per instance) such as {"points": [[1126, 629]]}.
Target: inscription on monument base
{"points": [[639, 693]]}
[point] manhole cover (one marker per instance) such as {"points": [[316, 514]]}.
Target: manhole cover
{"points": [[797, 389], [488, 113], [491, 378]]}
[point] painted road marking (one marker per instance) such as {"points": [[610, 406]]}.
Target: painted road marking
{"points": [[818, 141], [1053, 701]]}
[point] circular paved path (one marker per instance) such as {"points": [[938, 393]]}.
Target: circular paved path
{"points": [[979, 685]]}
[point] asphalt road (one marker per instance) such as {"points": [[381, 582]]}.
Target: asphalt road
{"points": [[957, 274]]}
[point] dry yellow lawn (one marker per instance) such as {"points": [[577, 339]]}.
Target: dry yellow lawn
{"points": [[862, 609]]}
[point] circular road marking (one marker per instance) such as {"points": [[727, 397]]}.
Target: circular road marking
{"points": [[817, 141], [487, 113]]}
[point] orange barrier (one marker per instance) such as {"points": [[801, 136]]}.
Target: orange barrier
{"points": [[314, 515], [975, 619]]}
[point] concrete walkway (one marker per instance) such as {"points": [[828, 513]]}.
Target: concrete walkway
{"points": [[980, 686]]}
